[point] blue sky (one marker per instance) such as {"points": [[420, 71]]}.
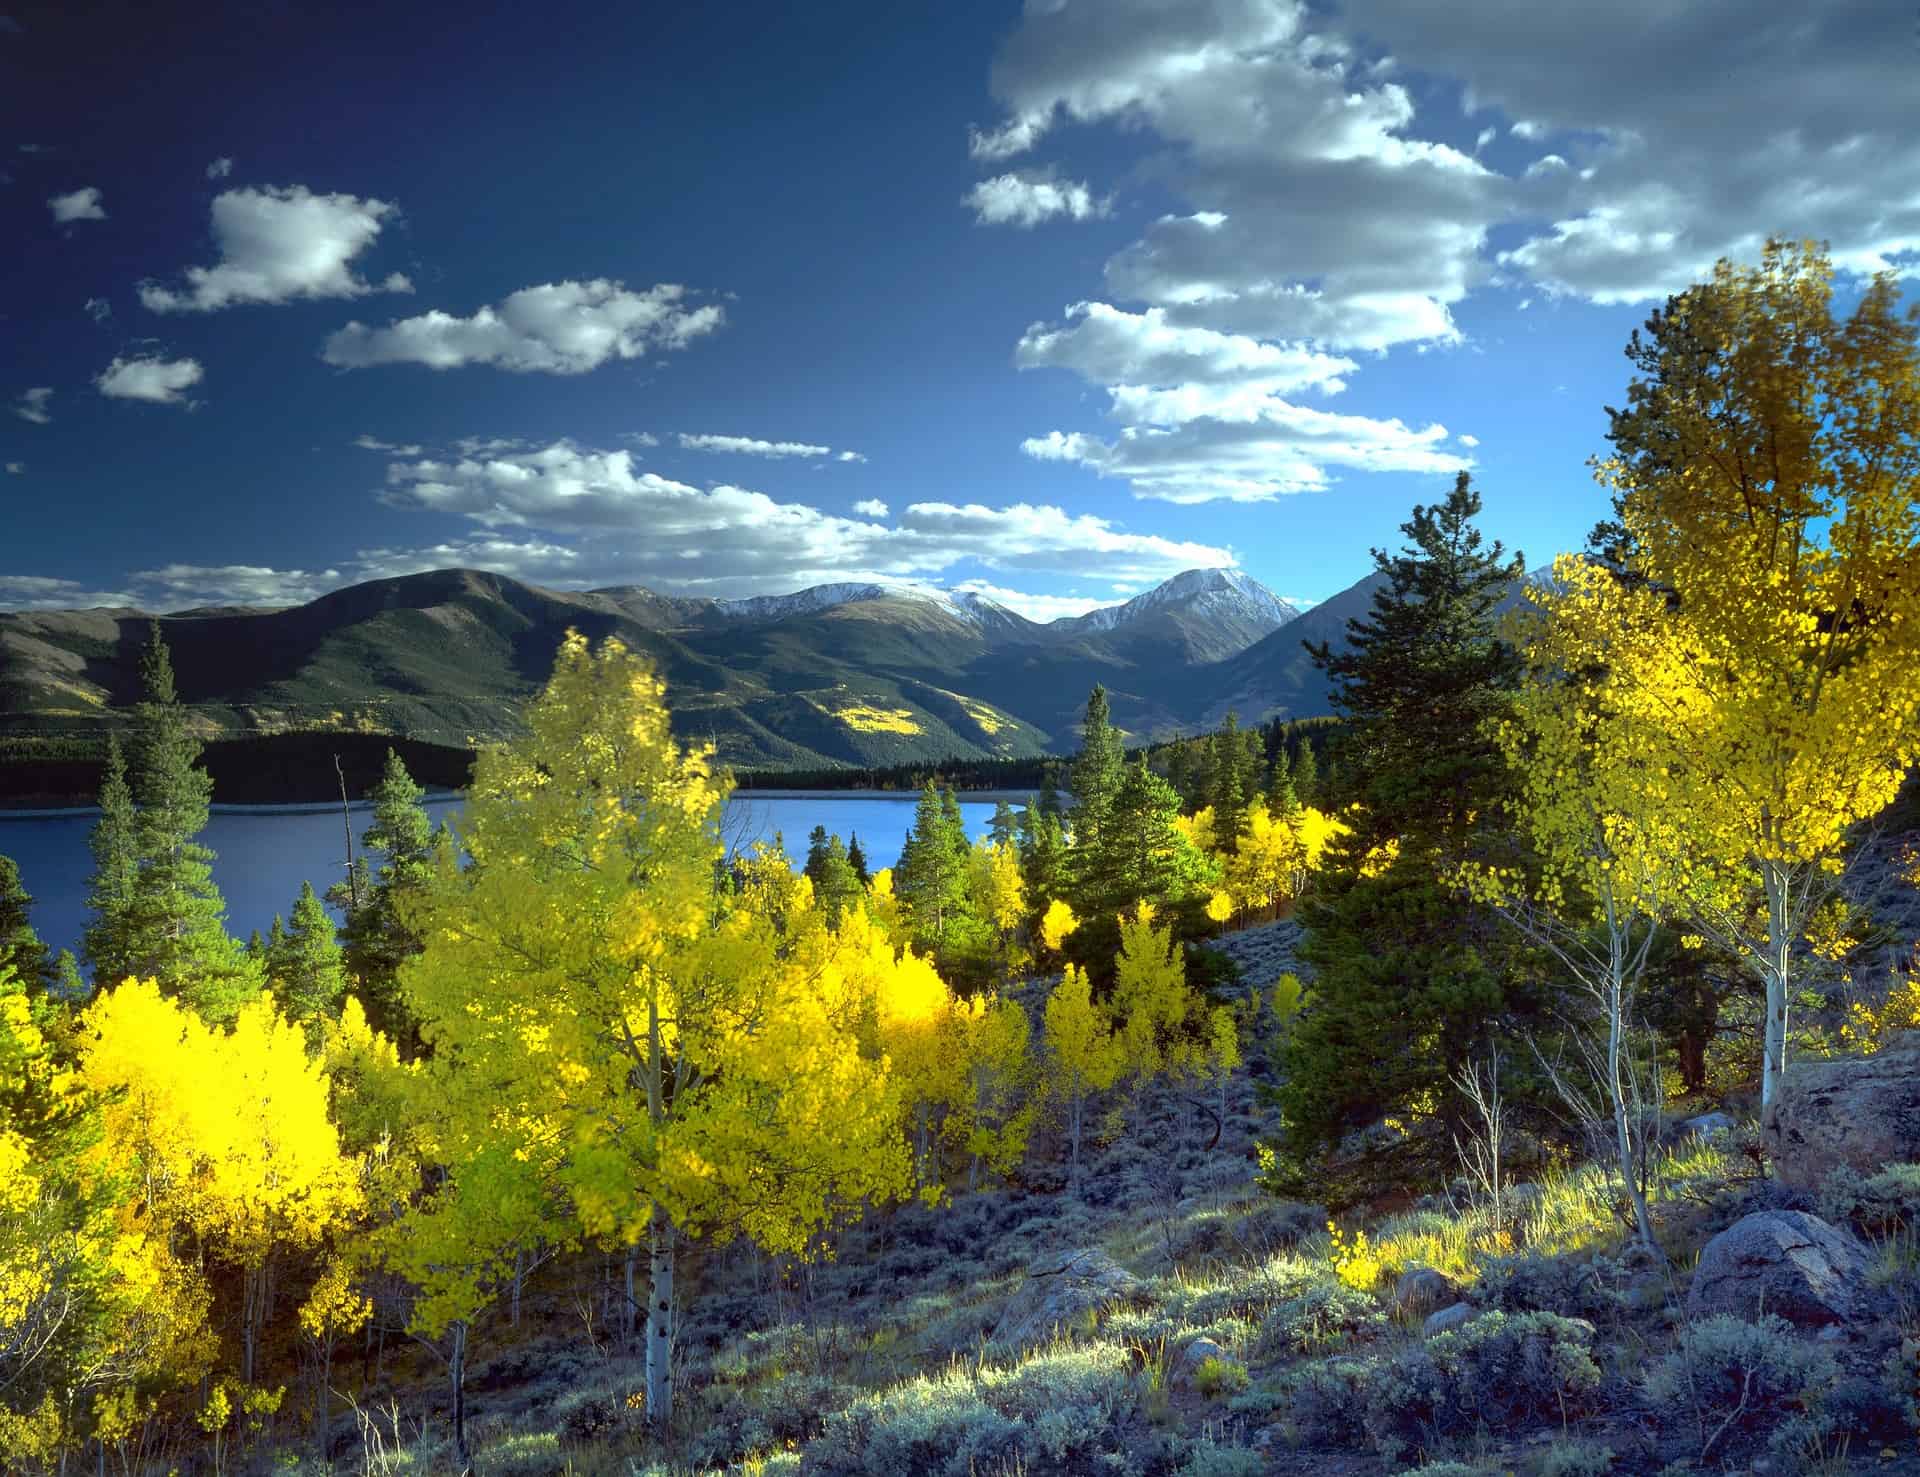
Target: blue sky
{"points": [[1051, 302]]}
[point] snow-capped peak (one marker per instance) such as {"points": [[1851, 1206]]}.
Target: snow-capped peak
{"points": [[1206, 591]]}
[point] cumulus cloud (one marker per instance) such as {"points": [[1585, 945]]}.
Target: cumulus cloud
{"points": [[849, 456], [751, 446], [99, 309], [1028, 197], [82, 205], [149, 377], [870, 507], [556, 328], [637, 525], [184, 586], [1466, 440], [41, 592], [33, 405], [280, 244], [220, 168]]}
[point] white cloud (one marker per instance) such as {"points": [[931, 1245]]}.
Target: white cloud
{"points": [[277, 245], [33, 405], [870, 507], [1042, 608], [751, 446], [1029, 197], [1485, 137], [849, 456], [640, 438], [149, 377], [17, 469], [41, 592], [184, 586], [1466, 440], [81, 205], [99, 309], [556, 328], [637, 526], [1527, 130], [220, 168], [374, 443], [1284, 449]]}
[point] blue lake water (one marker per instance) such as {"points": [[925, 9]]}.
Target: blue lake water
{"points": [[262, 854]]}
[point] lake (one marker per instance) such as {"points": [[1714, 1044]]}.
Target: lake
{"points": [[263, 853]]}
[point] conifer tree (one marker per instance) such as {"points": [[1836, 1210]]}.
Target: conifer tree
{"points": [[68, 986], [836, 887], [177, 919], [1144, 857], [1306, 775], [1411, 978], [931, 879], [1002, 830], [20, 946], [1229, 797], [1282, 796], [376, 939], [107, 945], [308, 974], [1096, 774], [857, 859]]}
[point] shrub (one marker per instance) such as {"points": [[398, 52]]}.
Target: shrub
{"points": [[1729, 1383], [1216, 1377], [1886, 1202], [537, 1455], [1499, 1371], [1573, 1287], [1444, 1469], [1204, 1459], [1323, 1317], [1328, 1402]]}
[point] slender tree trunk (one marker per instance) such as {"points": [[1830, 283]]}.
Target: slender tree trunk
{"points": [[519, 1281], [1616, 1088], [660, 1249], [630, 1311], [457, 1372], [323, 1407], [1073, 1133], [253, 1303], [1778, 964]]}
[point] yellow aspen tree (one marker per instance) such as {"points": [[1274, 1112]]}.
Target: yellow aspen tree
{"points": [[1000, 895], [1155, 1010], [225, 1132], [1767, 478], [1082, 1051], [1057, 924], [665, 1034], [1600, 815]]}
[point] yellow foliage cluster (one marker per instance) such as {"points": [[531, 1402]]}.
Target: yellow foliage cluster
{"points": [[865, 718]]}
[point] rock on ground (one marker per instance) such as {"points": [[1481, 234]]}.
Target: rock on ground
{"points": [[1059, 1289], [1784, 1262], [1862, 1112], [1423, 1290], [1186, 1372], [1448, 1319]]}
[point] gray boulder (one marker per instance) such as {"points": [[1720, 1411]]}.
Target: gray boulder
{"points": [[1060, 1289], [1422, 1290], [1784, 1262], [1707, 1123], [1859, 1112], [1448, 1319], [1186, 1369]]}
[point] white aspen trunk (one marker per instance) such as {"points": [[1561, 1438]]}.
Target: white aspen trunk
{"points": [[1778, 964], [1616, 1003], [660, 1248], [253, 1297]]}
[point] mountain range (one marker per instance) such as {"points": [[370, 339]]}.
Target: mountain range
{"points": [[848, 674]]}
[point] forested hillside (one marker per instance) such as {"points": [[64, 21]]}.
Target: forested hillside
{"points": [[1518, 1074]]}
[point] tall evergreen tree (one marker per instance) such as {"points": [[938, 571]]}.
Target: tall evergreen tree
{"points": [[1411, 980], [931, 879], [377, 938], [1003, 830], [1043, 859], [835, 885], [1282, 797], [1096, 772], [20, 946], [1306, 774], [1229, 797], [107, 944], [1049, 797], [307, 972], [177, 919], [1142, 856], [857, 859]]}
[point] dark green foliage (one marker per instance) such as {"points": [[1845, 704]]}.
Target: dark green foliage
{"points": [[68, 986], [176, 920], [1283, 798], [835, 884], [1096, 772], [933, 883], [376, 937], [1410, 980], [1230, 783], [1002, 830], [107, 945], [1306, 774], [1141, 854], [304, 964], [20, 946], [857, 859], [1043, 858]]}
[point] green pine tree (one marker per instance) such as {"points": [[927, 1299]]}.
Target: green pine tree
{"points": [[377, 939], [68, 986], [177, 921], [931, 878], [857, 859], [1002, 830], [20, 946], [1306, 774], [1049, 797], [1411, 980], [107, 944], [835, 884], [308, 974], [1229, 797], [1143, 857], [1096, 773], [1282, 797]]}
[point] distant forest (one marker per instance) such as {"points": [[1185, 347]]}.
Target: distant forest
{"points": [[298, 768]]}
